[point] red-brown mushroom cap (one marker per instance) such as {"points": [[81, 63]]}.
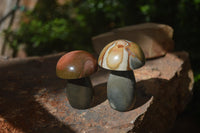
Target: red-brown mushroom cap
{"points": [[76, 64]]}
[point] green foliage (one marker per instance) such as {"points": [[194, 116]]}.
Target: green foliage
{"points": [[197, 78], [53, 27], [41, 37], [101, 16]]}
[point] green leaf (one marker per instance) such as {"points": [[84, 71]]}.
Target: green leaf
{"points": [[197, 77]]}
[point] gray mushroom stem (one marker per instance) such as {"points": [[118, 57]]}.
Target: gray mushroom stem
{"points": [[121, 90], [80, 92]]}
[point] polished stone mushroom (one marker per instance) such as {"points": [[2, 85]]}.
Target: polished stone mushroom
{"points": [[76, 67], [121, 57]]}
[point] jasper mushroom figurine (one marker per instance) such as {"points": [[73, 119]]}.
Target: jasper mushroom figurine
{"points": [[76, 67], [121, 57]]}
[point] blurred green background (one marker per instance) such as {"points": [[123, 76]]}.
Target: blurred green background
{"points": [[52, 27]]}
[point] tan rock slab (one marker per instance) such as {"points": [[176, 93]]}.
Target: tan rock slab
{"points": [[154, 39]]}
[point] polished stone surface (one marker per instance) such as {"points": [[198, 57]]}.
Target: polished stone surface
{"points": [[121, 90], [121, 55], [76, 64], [80, 93]]}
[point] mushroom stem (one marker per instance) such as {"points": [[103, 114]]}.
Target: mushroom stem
{"points": [[121, 90], [80, 92]]}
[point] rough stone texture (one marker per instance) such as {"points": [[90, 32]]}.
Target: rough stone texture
{"points": [[32, 98], [154, 39]]}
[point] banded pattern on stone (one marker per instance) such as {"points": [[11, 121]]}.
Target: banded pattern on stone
{"points": [[121, 55]]}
